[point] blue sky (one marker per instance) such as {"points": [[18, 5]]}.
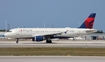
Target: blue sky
{"points": [[59, 13]]}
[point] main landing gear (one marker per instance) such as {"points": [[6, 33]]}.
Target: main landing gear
{"points": [[48, 41]]}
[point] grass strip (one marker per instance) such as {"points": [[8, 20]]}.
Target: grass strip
{"points": [[52, 51]]}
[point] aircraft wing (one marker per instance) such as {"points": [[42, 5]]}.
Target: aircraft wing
{"points": [[48, 34]]}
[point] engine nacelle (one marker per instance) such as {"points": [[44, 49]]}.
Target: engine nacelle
{"points": [[38, 38]]}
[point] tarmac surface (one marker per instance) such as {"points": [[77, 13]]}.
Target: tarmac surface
{"points": [[71, 44], [51, 59]]}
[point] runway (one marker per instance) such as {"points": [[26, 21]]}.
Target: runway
{"points": [[51, 59], [70, 44]]}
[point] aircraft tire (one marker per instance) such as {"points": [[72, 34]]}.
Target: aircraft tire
{"points": [[48, 41], [17, 40]]}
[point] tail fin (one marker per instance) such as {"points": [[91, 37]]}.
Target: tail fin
{"points": [[89, 22]]}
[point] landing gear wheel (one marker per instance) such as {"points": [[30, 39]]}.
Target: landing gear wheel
{"points": [[48, 41], [33, 39], [17, 40]]}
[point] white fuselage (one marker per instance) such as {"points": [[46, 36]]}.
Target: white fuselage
{"points": [[32, 32]]}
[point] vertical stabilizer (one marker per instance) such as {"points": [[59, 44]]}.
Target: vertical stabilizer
{"points": [[89, 22]]}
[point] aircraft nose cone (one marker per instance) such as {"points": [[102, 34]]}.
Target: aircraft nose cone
{"points": [[7, 34]]}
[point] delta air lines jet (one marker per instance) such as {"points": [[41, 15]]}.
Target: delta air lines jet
{"points": [[40, 34]]}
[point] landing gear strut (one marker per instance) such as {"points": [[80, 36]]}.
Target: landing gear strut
{"points": [[17, 40]]}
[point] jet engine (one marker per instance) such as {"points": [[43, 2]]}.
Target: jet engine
{"points": [[38, 38]]}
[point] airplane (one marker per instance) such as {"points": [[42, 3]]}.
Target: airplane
{"points": [[40, 34]]}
